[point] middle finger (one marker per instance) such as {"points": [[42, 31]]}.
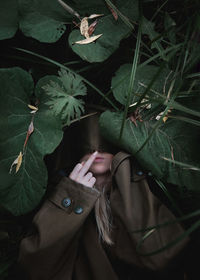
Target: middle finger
{"points": [[87, 164]]}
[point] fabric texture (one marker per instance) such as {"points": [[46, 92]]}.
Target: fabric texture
{"points": [[65, 244]]}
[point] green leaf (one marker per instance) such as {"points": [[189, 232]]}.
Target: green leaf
{"points": [[63, 91], [8, 19], [132, 77], [49, 8], [144, 76], [174, 140], [37, 20], [22, 191], [113, 32], [169, 24], [148, 28]]}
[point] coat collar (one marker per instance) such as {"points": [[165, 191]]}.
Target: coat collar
{"points": [[136, 172], [117, 159]]}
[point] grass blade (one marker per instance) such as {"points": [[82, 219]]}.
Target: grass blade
{"points": [[184, 119], [184, 165], [195, 213], [184, 235], [132, 77], [173, 203]]}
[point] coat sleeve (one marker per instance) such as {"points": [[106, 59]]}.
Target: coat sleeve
{"points": [[138, 208], [57, 227]]}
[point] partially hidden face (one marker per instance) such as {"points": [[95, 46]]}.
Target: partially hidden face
{"points": [[101, 164]]}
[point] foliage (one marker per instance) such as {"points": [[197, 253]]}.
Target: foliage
{"points": [[64, 90], [8, 20], [113, 32], [36, 23], [168, 142], [21, 191]]}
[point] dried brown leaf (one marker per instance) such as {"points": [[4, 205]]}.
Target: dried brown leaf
{"points": [[95, 16], [165, 119], [17, 162], [29, 132], [33, 108], [88, 40], [30, 128], [84, 27], [92, 27]]}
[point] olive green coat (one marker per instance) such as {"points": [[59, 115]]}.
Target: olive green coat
{"points": [[66, 245]]}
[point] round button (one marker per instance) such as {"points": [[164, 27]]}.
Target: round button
{"points": [[139, 173], [78, 210], [66, 202]]}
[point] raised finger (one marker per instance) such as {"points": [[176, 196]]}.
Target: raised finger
{"points": [[87, 164]]}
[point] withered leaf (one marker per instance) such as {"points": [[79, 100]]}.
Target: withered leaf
{"points": [[29, 132], [30, 128], [33, 108], [92, 27], [95, 16], [165, 119], [84, 27], [88, 40], [17, 162]]}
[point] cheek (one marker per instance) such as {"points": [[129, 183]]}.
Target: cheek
{"points": [[98, 169]]}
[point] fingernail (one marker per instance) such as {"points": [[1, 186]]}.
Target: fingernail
{"points": [[95, 153]]}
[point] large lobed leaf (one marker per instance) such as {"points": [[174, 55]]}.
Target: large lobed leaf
{"points": [[8, 19], [144, 76], [22, 191], [42, 20], [174, 140]]}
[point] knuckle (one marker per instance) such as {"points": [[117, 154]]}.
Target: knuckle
{"points": [[93, 180]]}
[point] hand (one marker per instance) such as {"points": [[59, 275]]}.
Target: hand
{"points": [[80, 172]]}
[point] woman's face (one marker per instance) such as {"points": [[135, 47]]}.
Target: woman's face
{"points": [[101, 164]]}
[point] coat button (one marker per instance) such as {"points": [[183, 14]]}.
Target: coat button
{"points": [[66, 202], [140, 173], [78, 210]]}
